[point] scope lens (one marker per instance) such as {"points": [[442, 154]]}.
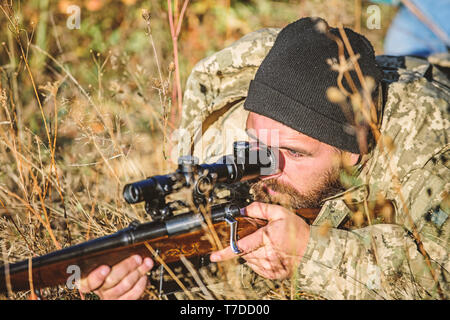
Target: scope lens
{"points": [[131, 193], [267, 158]]}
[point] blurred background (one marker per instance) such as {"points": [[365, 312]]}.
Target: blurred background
{"points": [[88, 100]]}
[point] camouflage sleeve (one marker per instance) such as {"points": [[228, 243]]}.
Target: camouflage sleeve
{"points": [[376, 262], [383, 261]]}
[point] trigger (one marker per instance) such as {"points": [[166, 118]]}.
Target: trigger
{"points": [[233, 233]]}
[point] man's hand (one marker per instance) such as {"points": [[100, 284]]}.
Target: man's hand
{"points": [[124, 281], [274, 250]]}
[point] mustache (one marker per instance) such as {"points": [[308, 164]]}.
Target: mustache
{"points": [[289, 197]]}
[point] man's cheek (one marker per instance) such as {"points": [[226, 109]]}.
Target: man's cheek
{"points": [[304, 172], [298, 176]]}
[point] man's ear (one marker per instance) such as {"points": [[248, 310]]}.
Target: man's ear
{"points": [[350, 159]]}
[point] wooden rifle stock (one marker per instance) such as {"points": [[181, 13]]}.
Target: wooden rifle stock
{"points": [[53, 269]]}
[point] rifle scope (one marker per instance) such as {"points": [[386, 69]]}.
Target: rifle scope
{"points": [[247, 162]]}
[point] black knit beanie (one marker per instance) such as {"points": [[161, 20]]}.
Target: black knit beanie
{"points": [[291, 83]]}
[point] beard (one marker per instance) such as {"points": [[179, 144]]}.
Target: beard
{"points": [[289, 197]]}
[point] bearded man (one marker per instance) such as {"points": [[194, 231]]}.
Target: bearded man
{"points": [[367, 144]]}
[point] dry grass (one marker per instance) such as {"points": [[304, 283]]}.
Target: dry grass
{"points": [[82, 112]]}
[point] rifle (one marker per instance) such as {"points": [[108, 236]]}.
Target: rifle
{"points": [[219, 191]]}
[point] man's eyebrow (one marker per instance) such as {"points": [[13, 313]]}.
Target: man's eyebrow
{"points": [[296, 149], [289, 148]]}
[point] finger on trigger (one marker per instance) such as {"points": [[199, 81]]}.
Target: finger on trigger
{"points": [[263, 211], [246, 245]]}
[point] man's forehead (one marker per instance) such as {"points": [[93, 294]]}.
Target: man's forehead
{"points": [[267, 130]]}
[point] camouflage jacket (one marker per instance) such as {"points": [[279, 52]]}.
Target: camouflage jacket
{"points": [[400, 251]]}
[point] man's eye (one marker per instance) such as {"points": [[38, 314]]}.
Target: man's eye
{"points": [[295, 154]]}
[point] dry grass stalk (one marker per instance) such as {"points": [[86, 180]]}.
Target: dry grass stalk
{"points": [[169, 270], [175, 32], [196, 277]]}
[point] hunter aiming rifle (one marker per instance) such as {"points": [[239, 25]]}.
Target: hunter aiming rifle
{"points": [[219, 191]]}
